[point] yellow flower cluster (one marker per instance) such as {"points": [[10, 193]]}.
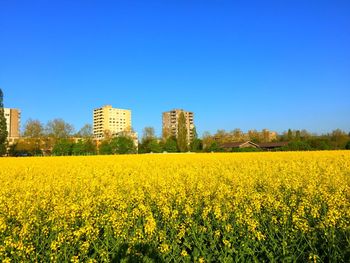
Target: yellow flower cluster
{"points": [[176, 207]]}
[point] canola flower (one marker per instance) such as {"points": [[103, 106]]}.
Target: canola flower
{"points": [[242, 207]]}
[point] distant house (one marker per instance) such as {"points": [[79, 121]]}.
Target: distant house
{"points": [[248, 144], [232, 145], [272, 145]]}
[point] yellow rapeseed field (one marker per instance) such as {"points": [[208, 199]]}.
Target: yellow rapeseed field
{"points": [[239, 207]]}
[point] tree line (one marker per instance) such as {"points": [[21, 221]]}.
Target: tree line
{"points": [[54, 138], [298, 140], [58, 137]]}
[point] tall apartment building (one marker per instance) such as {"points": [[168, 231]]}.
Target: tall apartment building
{"points": [[110, 120], [171, 121], [13, 122]]}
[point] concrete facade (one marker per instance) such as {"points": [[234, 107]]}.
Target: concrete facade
{"points": [[108, 121], [171, 121], [13, 122]]}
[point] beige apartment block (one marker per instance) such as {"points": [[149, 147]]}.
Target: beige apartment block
{"points": [[13, 122], [268, 136], [171, 121], [110, 121]]}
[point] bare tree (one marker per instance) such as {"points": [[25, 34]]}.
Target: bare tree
{"points": [[85, 131], [33, 129], [58, 128]]}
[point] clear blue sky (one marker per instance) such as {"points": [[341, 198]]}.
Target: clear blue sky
{"points": [[235, 64]]}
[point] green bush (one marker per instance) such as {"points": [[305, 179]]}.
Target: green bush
{"points": [[297, 146]]}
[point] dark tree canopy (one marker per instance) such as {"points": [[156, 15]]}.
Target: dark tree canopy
{"points": [[122, 145], [3, 127], [118, 145], [170, 145], [154, 146], [62, 147], [105, 148], [182, 141], [84, 147], [149, 142]]}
